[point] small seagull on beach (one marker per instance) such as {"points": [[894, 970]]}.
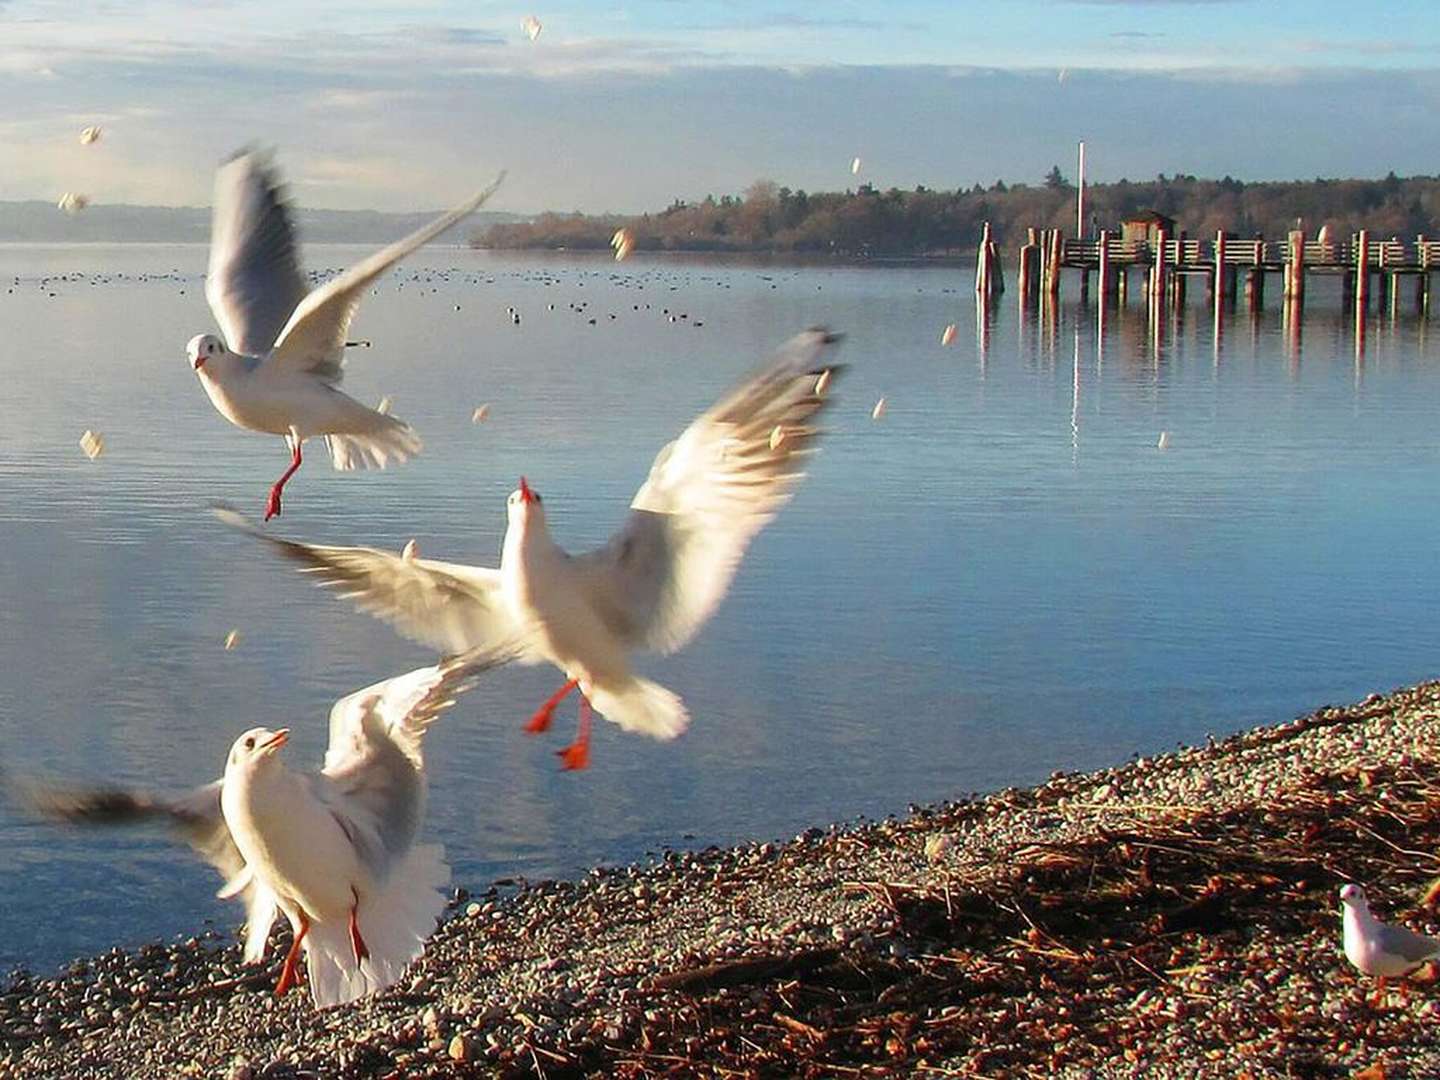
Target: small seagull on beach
{"points": [[279, 366], [652, 586], [1386, 952], [334, 850], [90, 135]]}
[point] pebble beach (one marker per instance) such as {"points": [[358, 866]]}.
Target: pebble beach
{"points": [[1174, 916]]}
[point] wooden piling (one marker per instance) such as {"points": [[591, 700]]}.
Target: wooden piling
{"points": [[1052, 282], [1362, 271], [1255, 288], [1295, 267], [1255, 280], [1384, 280], [1157, 275], [1028, 272], [1218, 279], [1104, 274], [982, 264], [1422, 283]]}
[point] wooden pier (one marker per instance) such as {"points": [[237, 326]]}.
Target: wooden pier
{"points": [[1369, 268]]}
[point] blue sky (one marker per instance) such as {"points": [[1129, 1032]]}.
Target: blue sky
{"points": [[626, 105]]}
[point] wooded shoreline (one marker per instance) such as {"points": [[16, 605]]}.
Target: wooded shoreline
{"points": [[867, 221]]}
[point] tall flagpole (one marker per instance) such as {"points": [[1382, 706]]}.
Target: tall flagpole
{"points": [[1080, 197]]}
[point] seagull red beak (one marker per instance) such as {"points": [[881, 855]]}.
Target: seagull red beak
{"points": [[276, 741], [526, 495], [199, 362]]}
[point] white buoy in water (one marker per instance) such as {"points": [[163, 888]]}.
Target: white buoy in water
{"points": [[879, 410], [949, 335], [92, 443], [480, 413], [1164, 441], [232, 639]]}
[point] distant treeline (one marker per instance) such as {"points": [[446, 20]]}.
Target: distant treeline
{"points": [[871, 222]]}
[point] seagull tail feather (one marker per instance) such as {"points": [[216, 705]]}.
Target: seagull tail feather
{"points": [[394, 923], [643, 706], [388, 440]]}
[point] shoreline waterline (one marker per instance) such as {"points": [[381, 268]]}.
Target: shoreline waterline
{"points": [[1179, 897]]}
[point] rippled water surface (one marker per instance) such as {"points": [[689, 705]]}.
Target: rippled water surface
{"points": [[1000, 577]]}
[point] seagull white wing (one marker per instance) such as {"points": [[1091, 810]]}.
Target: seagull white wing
{"points": [[448, 606], [709, 492], [374, 774], [314, 338], [254, 282], [195, 816], [1411, 947]]}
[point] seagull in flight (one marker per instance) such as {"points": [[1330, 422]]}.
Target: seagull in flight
{"points": [[334, 850], [652, 586], [278, 367]]}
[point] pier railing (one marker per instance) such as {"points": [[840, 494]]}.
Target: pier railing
{"points": [[1184, 255]]}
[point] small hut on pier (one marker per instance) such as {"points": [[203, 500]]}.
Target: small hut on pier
{"points": [[1147, 225]]}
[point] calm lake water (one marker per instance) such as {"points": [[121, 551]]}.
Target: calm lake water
{"points": [[1001, 577]]}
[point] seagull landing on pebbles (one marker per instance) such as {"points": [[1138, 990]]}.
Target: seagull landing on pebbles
{"points": [[1386, 952], [279, 366], [334, 850], [652, 586]]}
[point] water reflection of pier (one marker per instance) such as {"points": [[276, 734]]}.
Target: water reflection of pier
{"points": [[1148, 349]]}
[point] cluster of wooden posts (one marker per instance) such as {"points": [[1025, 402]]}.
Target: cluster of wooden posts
{"points": [[1372, 270]]}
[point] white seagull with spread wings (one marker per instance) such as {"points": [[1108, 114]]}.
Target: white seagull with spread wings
{"points": [[279, 367], [334, 850], [653, 585]]}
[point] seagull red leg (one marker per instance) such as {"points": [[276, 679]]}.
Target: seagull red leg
{"points": [[357, 943], [543, 715], [272, 508], [287, 971], [577, 754]]}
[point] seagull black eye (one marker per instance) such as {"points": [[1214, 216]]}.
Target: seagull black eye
{"points": [[250, 743]]}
